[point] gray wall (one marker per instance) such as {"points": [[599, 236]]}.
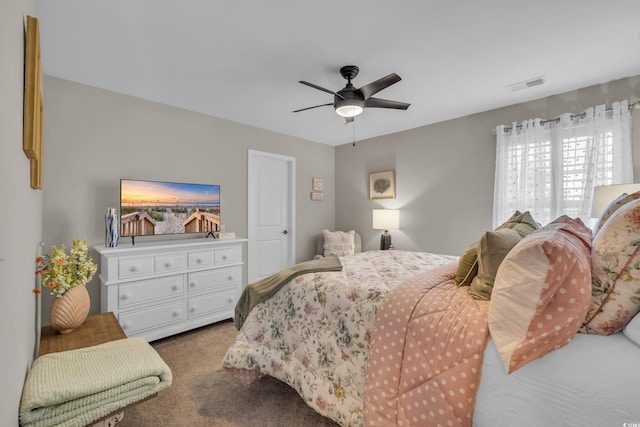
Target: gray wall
{"points": [[20, 216], [95, 137], [445, 171]]}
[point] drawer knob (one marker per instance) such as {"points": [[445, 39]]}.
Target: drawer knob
{"points": [[224, 257], [133, 268], [230, 300], [192, 284], [198, 261], [125, 326], [176, 313], [123, 297], [230, 277], [175, 287], [167, 264], [193, 309]]}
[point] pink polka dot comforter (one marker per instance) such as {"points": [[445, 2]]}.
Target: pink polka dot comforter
{"points": [[314, 334], [426, 356]]}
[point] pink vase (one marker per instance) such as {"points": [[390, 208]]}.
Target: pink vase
{"points": [[70, 311]]}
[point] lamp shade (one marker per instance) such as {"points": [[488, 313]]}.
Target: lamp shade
{"points": [[386, 219], [605, 194]]}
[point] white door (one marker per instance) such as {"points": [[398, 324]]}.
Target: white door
{"points": [[271, 228]]}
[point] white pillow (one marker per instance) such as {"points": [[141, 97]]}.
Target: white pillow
{"points": [[338, 242], [632, 330]]}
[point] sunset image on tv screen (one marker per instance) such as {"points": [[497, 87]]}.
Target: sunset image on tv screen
{"points": [[157, 207]]}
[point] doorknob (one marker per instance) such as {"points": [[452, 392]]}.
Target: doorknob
{"points": [[285, 232]]}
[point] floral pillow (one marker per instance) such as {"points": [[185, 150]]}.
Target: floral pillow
{"points": [[338, 243], [615, 259], [618, 202], [542, 292]]}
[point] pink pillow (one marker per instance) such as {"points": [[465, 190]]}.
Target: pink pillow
{"points": [[615, 260], [542, 292]]}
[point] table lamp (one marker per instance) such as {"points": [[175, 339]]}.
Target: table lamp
{"points": [[386, 219], [603, 195]]}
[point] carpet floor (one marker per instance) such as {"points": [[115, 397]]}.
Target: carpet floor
{"points": [[202, 394]]}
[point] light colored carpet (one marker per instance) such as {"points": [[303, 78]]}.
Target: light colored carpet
{"points": [[202, 394]]}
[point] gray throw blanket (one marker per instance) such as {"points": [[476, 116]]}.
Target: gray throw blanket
{"points": [[264, 289]]}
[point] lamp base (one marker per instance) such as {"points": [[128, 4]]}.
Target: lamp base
{"points": [[385, 241]]}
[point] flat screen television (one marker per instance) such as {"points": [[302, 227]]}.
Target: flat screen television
{"points": [[162, 208]]}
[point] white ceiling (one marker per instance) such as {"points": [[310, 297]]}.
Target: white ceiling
{"points": [[241, 60]]}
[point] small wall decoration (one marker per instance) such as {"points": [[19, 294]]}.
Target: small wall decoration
{"points": [[317, 184], [382, 185], [32, 114], [317, 195]]}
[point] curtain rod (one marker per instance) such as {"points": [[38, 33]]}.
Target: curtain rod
{"points": [[634, 106]]}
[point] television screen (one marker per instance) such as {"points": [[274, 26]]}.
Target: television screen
{"points": [[157, 207]]}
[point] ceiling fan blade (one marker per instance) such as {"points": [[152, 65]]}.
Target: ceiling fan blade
{"points": [[375, 87], [385, 103], [321, 88], [309, 108]]}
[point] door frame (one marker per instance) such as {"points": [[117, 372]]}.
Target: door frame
{"points": [[252, 156]]}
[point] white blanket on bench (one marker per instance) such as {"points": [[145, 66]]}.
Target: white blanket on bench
{"points": [[77, 387]]}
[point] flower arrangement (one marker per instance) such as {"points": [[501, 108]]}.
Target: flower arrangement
{"points": [[61, 272]]}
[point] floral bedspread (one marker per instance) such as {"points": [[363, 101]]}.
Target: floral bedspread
{"points": [[314, 333]]}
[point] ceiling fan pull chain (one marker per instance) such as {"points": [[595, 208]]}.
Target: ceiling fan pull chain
{"points": [[354, 132]]}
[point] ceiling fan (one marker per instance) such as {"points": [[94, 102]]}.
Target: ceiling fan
{"points": [[349, 101]]}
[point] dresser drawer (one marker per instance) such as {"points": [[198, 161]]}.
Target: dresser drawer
{"points": [[214, 279], [134, 267], [210, 303], [201, 259], [228, 255], [153, 317], [150, 290], [170, 262]]}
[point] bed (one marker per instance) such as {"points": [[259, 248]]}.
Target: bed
{"points": [[393, 338]]}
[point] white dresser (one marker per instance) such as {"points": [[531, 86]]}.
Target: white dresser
{"points": [[157, 289]]}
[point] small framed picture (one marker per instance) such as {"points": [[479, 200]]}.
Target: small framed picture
{"points": [[317, 184], [382, 185]]}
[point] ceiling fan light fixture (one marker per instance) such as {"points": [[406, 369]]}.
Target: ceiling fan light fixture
{"points": [[349, 107]]}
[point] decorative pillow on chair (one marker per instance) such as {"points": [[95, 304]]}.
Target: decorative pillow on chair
{"points": [[542, 292], [615, 264], [339, 243], [494, 246], [616, 204]]}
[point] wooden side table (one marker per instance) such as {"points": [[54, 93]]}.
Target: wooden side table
{"points": [[98, 329]]}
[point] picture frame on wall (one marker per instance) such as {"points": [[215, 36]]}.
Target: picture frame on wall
{"points": [[382, 185], [33, 110]]}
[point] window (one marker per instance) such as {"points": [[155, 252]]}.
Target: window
{"points": [[550, 168]]}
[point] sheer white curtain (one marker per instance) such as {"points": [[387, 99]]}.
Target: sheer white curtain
{"points": [[551, 167]]}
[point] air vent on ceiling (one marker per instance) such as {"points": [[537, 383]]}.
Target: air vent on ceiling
{"points": [[537, 81]]}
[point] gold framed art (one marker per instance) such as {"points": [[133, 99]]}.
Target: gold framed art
{"points": [[382, 185], [33, 110]]}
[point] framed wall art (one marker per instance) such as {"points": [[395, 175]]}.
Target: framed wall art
{"points": [[382, 185], [316, 184], [32, 114]]}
